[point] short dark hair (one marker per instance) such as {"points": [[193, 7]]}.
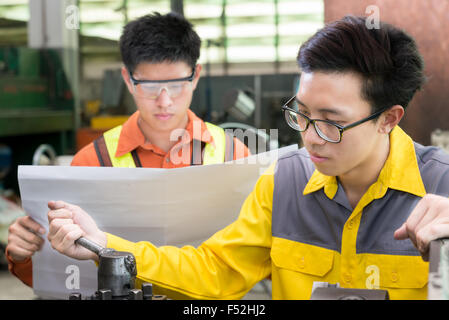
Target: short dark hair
{"points": [[157, 38], [387, 58]]}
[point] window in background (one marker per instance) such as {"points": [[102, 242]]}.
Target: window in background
{"points": [[102, 21], [235, 31], [106, 18], [13, 27], [14, 9]]}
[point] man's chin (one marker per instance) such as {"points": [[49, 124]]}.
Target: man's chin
{"points": [[326, 170]]}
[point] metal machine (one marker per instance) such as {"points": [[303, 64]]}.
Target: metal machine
{"points": [[116, 275], [336, 293], [438, 287], [36, 105]]}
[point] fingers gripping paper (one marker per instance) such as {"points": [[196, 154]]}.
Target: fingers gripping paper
{"points": [[164, 206]]}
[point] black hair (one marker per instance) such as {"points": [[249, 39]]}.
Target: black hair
{"points": [[387, 58], [157, 38]]}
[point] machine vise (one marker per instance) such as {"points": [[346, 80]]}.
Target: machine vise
{"points": [[117, 273]]}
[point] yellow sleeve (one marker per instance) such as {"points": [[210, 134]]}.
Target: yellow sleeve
{"points": [[226, 266]]}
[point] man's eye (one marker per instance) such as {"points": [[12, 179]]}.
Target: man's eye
{"points": [[150, 87], [336, 121], [176, 85]]}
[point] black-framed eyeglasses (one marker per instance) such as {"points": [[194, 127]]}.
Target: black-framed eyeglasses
{"points": [[151, 89], [327, 130]]}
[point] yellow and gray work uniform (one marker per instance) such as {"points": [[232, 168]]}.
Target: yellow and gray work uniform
{"points": [[298, 226]]}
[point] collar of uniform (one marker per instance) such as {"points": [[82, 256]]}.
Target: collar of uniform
{"points": [[400, 172], [196, 129], [318, 181], [131, 137]]}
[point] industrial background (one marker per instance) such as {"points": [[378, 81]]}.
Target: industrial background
{"points": [[60, 82]]}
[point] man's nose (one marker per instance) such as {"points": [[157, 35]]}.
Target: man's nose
{"points": [[164, 100], [311, 137]]}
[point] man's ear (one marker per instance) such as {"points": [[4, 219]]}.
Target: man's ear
{"points": [[390, 118], [198, 69], [125, 76]]}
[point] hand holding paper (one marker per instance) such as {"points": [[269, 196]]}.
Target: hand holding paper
{"points": [[24, 238], [68, 223]]}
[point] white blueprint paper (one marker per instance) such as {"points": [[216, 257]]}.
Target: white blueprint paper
{"points": [[164, 206]]}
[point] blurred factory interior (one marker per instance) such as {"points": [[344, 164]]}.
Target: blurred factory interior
{"points": [[61, 87]]}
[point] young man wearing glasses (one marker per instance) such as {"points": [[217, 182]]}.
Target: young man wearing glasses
{"points": [[160, 54], [356, 207]]}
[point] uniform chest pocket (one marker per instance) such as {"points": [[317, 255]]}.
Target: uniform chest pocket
{"points": [[301, 257], [402, 272]]}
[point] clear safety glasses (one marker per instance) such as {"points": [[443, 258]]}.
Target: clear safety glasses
{"points": [[151, 89]]}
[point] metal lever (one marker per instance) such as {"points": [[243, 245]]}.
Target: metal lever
{"points": [[90, 245]]}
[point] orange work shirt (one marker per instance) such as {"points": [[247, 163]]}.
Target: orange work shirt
{"points": [[150, 156]]}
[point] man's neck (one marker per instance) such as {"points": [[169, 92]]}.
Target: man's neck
{"points": [[161, 139], [357, 181]]}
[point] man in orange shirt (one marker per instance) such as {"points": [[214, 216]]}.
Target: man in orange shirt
{"points": [[160, 54]]}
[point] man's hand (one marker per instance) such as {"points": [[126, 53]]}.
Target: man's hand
{"points": [[24, 238], [67, 224], [428, 221]]}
